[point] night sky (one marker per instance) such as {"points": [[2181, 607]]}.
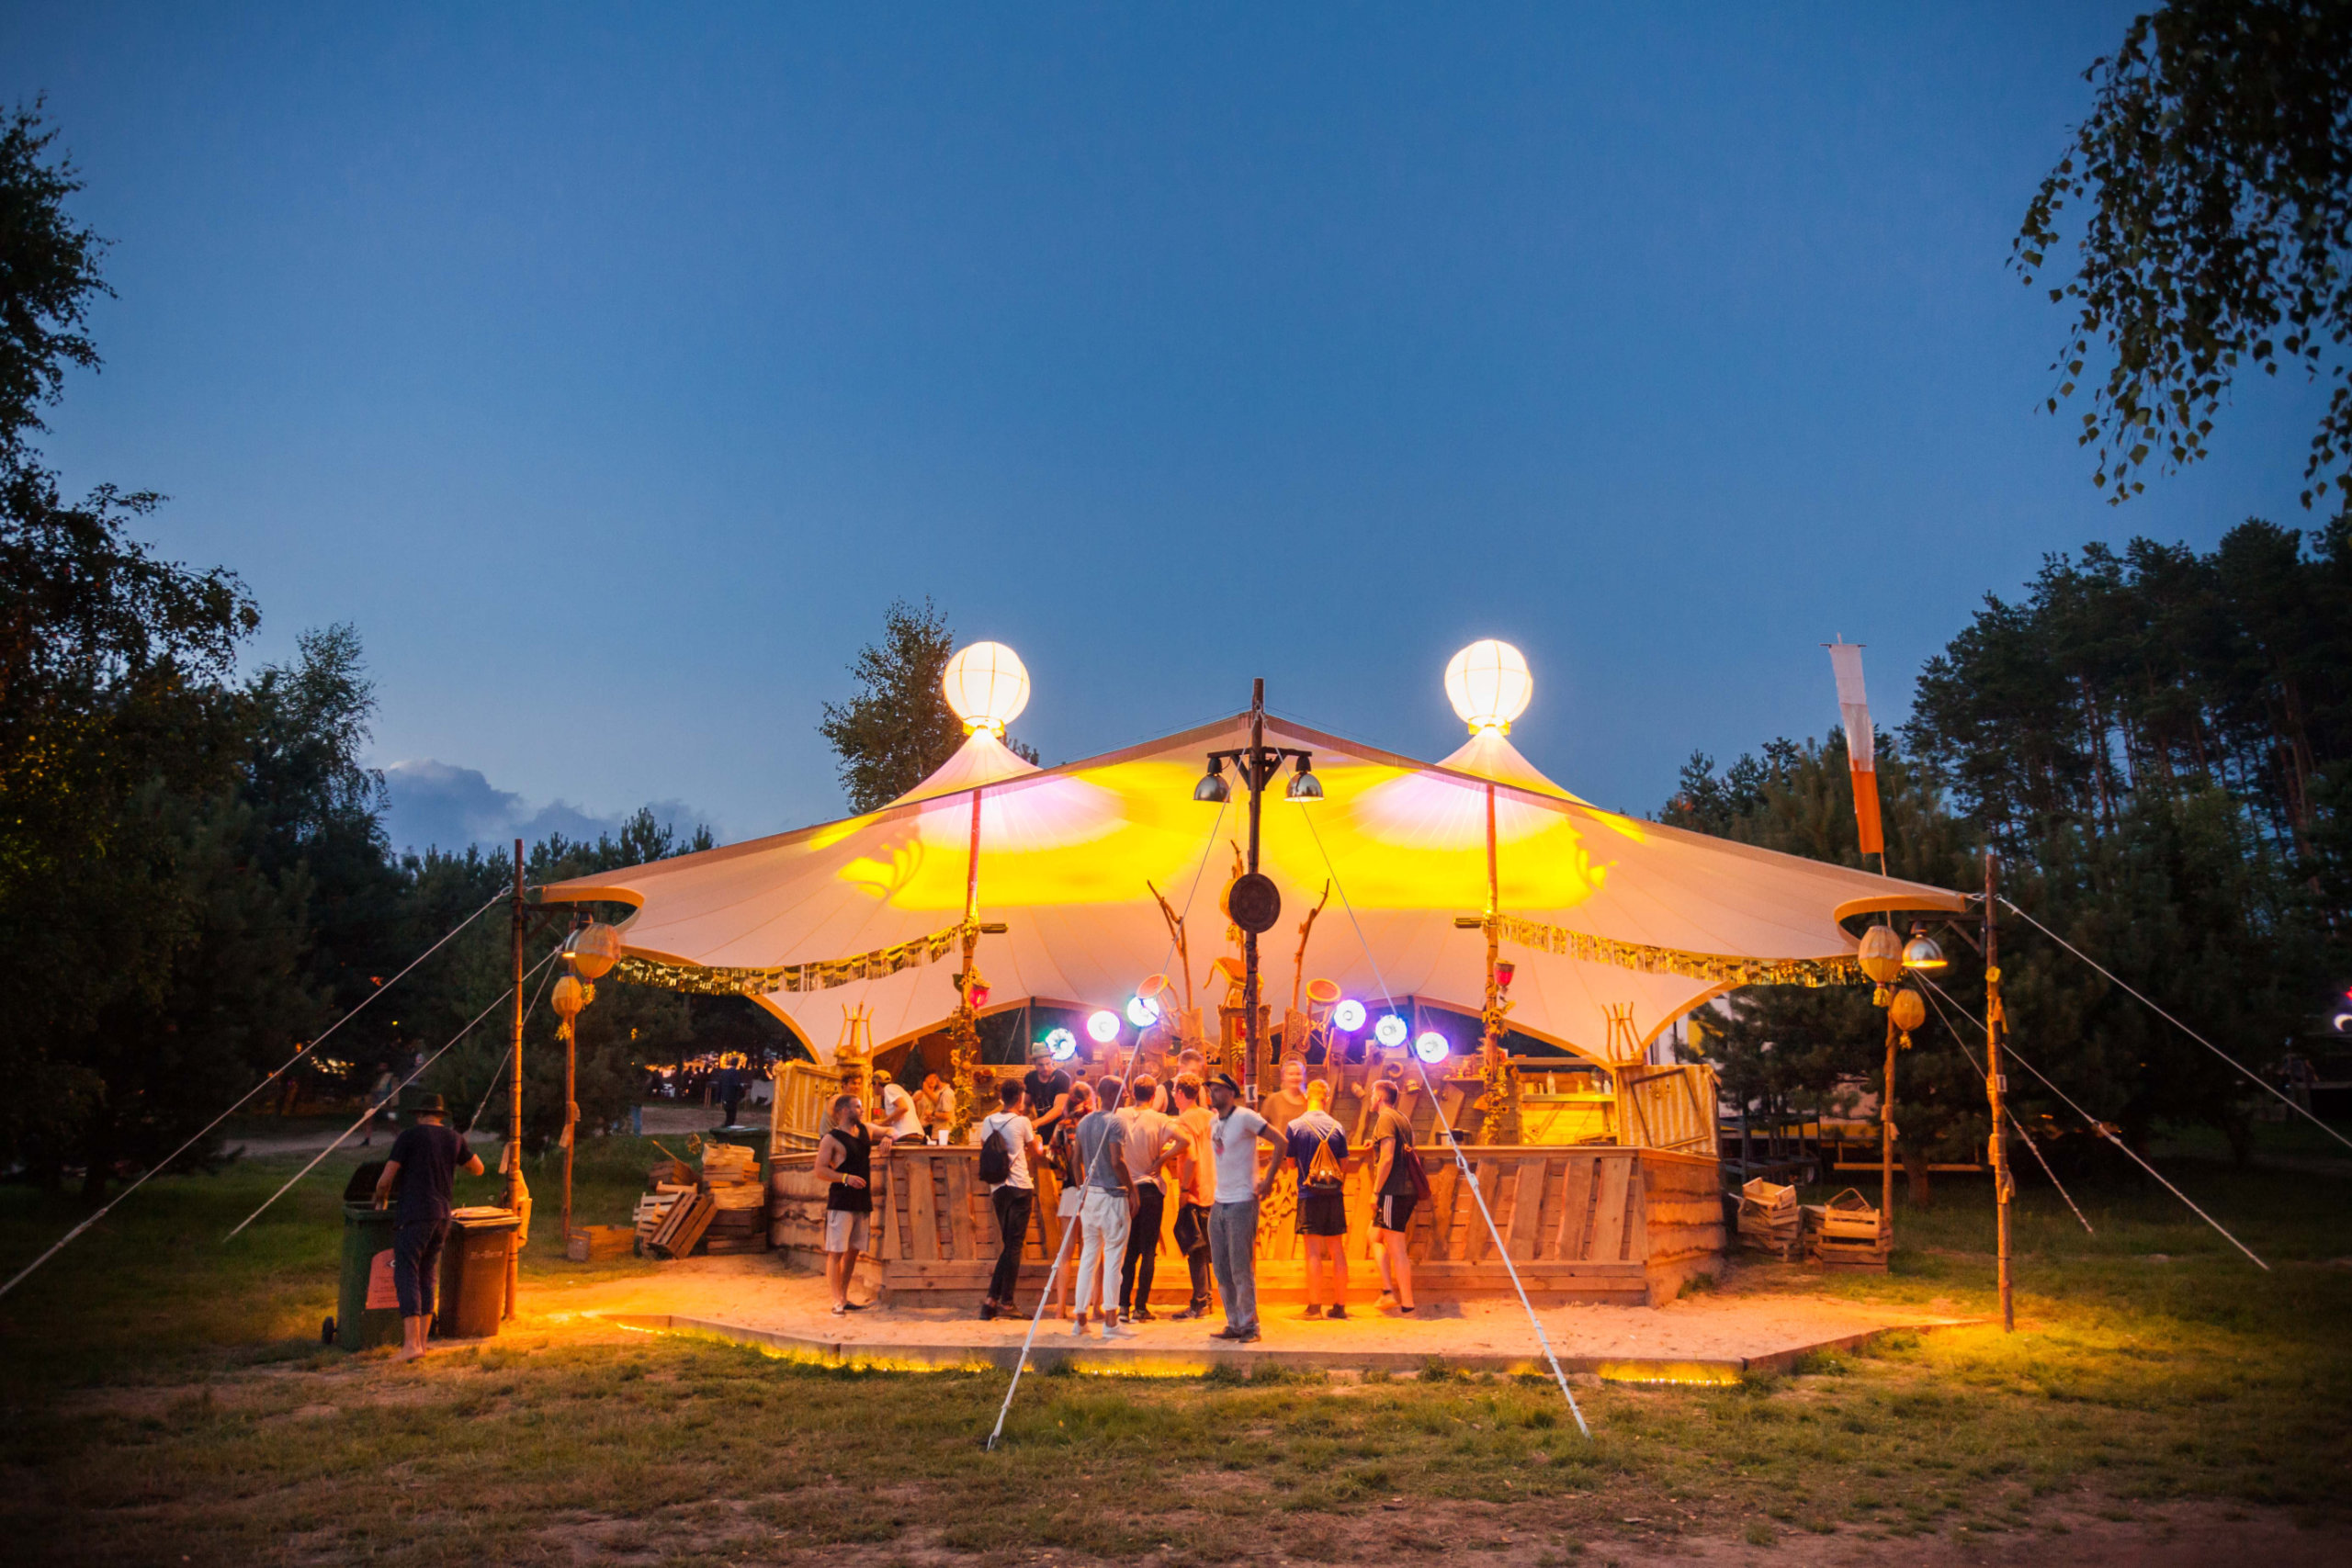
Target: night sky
{"points": [[613, 369]]}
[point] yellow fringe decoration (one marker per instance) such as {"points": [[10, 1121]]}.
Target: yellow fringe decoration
{"points": [[820, 974], [1719, 968]]}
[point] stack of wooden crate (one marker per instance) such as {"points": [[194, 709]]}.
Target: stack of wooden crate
{"points": [[1770, 1220], [730, 1177], [1847, 1234]]}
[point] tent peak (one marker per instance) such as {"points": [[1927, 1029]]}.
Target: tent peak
{"points": [[983, 759], [1489, 754]]}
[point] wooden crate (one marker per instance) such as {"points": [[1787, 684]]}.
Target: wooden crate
{"points": [[590, 1243]]}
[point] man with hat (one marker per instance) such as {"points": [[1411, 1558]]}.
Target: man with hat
{"points": [[1047, 1087], [424, 1160]]}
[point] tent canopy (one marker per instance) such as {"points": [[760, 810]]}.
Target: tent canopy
{"points": [[1622, 914]]}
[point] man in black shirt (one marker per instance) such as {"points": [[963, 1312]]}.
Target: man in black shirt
{"points": [[424, 1160], [1048, 1088]]}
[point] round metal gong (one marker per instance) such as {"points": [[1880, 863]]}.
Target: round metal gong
{"points": [[1253, 902]]}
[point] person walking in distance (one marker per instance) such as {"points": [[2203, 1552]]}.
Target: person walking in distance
{"points": [[1235, 1131], [1396, 1180], [727, 1088], [1107, 1205], [424, 1160], [1007, 1141], [1195, 1174], [1316, 1144], [1154, 1142], [845, 1163]]}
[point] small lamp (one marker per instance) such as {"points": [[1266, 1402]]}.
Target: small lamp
{"points": [[1212, 789], [1921, 952], [1304, 784]]}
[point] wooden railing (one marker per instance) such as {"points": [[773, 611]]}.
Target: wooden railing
{"points": [[1593, 1223]]}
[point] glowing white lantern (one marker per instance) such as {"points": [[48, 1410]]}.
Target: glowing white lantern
{"points": [[1430, 1047], [1488, 684], [987, 686], [1142, 1012], [1103, 1025], [1348, 1017], [1391, 1030], [1061, 1044]]}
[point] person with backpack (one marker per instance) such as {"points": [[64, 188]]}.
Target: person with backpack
{"points": [[1316, 1144], [1399, 1186], [1107, 1205], [1009, 1154]]}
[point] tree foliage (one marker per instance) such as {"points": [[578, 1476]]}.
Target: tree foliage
{"points": [[897, 729], [2212, 186], [49, 275]]}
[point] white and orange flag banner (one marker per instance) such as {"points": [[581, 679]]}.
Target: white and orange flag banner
{"points": [[1846, 658]]}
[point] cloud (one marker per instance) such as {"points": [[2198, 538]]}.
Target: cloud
{"points": [[436, 804]]}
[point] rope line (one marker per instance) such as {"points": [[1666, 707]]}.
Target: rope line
{"points": [[1054, 1271], [1961, 1039], [366, 1116], [2283, 1097], [2102, 1129], [1462, 1162], [67, 1239]]}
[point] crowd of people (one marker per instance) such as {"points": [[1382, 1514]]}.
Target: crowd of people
{"points": [[1123, 1150]]}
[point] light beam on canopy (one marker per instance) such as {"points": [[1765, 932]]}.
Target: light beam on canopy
{"points": [[1065, 854]]}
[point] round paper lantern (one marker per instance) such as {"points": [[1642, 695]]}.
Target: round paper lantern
{"points": [[1882, 954], [1909, 1009], [1490, 685], [594, 949], [987, 686], [570, 996]]}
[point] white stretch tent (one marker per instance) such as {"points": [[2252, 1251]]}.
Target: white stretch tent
{"points": [[1066, 854]]}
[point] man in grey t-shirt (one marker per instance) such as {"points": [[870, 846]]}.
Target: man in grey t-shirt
{"points": [[1107, 1203], [1235, 1131]]}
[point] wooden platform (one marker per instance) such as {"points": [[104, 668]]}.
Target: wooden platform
{"points": [[1591, 1223]]}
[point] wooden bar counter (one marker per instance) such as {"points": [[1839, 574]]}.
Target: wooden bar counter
{"points": [[1582, 1224]]}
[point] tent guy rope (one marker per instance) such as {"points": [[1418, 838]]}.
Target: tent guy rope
{"points": [[2102, 1129], [2024, 1136], [288, 1065], [2269, 1087], [368, 1114], [1208, 851], [1460, 1162]]}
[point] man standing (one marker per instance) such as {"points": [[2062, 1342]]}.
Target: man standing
{"points": [[424, 1158], [1316, 1144], [1196, 1188], [1107, 1205], [1048, 1089], [1013, 1197], [845, 1163], [1287, 1102], [1235, 1131], [730, 1088], [1154, 1142], [896, 1113]]}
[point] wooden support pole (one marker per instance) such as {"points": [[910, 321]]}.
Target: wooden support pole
{"points": [[1996, 1086], [1886, 1137], [514, 1187]]}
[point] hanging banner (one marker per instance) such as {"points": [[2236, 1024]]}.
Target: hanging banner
{"points": [[1846, 659], [821, 975], [1721, 968]]}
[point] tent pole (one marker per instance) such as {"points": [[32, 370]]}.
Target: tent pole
{"points": [[1994, 1083], [1255, 772], [514, 1187], [963, 1050], [1501, 1121]]}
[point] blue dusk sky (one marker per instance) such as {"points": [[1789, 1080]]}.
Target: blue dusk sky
{"points": [[611, 369]]}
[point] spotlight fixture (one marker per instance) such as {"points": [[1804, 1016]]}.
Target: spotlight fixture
{"points": [[1348, 1017], [1922, 954], [1061, 1044], [1212, 789], [1391, 1030], [1103, 1025], [1304, 784], [1142, 1012], [1431, 1047]]}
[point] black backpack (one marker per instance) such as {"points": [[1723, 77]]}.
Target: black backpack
{"points": [[996, 1158]]}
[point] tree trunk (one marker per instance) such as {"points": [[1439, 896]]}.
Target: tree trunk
{"points": [[1914, 1172]]}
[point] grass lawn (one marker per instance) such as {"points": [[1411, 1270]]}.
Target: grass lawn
{"points": [[166, 1399]]}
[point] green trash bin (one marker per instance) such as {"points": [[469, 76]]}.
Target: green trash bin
{"points": [[368, 1311]]}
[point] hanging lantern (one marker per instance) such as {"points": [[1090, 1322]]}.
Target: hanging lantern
{"points": [[1505, 972], [1909, 1009], [571, 995], [1882, 954], [1922, 954], [592, 950]]}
